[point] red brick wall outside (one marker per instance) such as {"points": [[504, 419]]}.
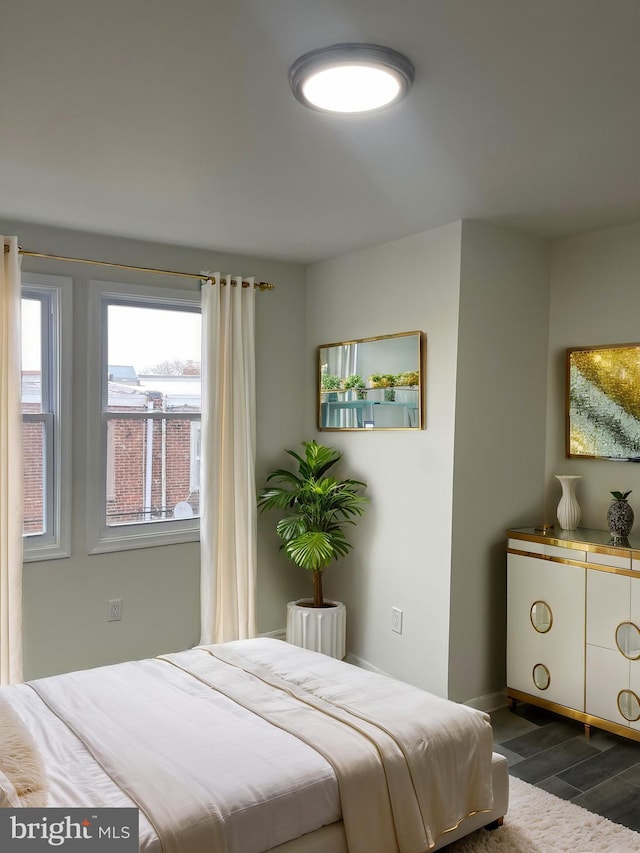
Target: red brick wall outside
{"points": [[129, 447], [126, 503], [32, 434]]}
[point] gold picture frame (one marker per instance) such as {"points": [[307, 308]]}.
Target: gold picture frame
{"points": [[603, 402], [373, 383]]}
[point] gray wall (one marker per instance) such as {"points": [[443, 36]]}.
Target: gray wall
{"points": [[595, 299], [65, 601], [402, 556], [499, 439], [433, 540]]}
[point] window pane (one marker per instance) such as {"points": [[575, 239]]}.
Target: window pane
{"points": [[153, 359], [153, 364], [149, 471], [33, 437], [31, 355]]}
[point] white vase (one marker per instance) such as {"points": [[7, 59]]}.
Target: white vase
{"points": [[568, 511]]}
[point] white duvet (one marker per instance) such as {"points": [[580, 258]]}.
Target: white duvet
{"points": [[241, 747]]}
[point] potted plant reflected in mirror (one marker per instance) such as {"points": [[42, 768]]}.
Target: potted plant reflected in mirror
{"points": [[386, 381], [356, 383], [318, 508], [407, 387], [408, 379], [331, 383]]}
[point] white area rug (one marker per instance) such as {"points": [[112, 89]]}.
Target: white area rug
{"points": [[538, 822]]}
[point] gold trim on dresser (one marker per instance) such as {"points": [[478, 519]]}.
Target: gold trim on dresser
{"points": [[514, 696]]}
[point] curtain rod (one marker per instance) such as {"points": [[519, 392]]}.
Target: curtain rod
{"points": [[259, 285]]}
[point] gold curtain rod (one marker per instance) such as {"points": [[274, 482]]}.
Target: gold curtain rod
{"points": [[259, 285]]}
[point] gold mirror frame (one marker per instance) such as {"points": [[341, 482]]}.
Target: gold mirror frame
{"points": [[373, 383], [603, 402]]}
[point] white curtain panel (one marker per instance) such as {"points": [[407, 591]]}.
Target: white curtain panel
{"points": [[227, 467], [10, 467], [343, 360]]}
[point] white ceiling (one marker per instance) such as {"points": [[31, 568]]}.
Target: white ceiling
{"points": [[172, 120]]}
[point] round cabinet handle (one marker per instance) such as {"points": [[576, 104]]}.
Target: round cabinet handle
{"points": [[629, 705], [541, 616], [541, 676], [628, 640]]}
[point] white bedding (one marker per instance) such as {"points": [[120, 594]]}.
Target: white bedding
{"points": [[241, 762]]}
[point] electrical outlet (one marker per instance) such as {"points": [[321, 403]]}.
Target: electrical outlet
{"points": [[396, 620], [115, 610]]}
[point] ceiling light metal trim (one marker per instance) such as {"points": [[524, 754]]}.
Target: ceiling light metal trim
{"points": [[350, 53]]}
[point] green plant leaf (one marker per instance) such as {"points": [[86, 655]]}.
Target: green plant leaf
{"points": [[621, 496], [311, 550], [290, 527], [275, 498], [318, 506]]}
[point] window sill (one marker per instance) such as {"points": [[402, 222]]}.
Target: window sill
{"points": [[135, 540], [42, 553]]}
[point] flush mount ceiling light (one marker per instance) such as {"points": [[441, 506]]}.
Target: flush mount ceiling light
{"points": [[351, 78]]}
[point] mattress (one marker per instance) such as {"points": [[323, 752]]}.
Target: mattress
{"points": [[272, 790]]}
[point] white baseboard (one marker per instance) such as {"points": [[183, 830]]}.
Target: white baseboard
{"points": [[488, 703]]}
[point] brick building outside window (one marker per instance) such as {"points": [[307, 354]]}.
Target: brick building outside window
{"points": [[153, 466]]}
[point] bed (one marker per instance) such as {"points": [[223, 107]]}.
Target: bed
{"points": [[254, 746]]}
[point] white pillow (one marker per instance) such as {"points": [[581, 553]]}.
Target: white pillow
{"points": [[8, 797]]}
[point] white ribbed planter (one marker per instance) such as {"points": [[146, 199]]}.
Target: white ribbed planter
{"points": [[320, 629]]}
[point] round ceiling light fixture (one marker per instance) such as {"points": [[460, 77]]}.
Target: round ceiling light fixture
{"points": [[351, 78]]}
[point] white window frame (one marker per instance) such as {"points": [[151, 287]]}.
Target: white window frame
{"points": [[56, 293], [100, 537]]}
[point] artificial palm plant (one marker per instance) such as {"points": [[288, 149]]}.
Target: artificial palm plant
{"points": [[319, 507]]}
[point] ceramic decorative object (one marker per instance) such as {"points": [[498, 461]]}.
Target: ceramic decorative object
{"points": [[620, 515], [320, 629], [568, 511]]}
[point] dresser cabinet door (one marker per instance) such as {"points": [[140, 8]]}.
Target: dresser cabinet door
{"points": [[607, 675], [608, 605], [613, 648], [546, 658]]}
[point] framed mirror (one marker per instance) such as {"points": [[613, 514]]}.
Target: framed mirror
{"points": [[603, 402], [372, 383]]}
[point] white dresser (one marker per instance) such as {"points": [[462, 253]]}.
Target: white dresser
{"points": [[573, 626]]}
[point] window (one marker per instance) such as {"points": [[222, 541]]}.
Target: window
{"points": [[46, 372], [147, 395]]}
